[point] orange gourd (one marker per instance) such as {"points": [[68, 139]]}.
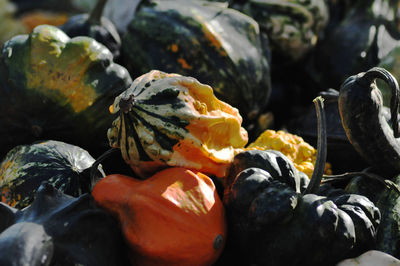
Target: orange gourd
{"points": [[175, 217]]}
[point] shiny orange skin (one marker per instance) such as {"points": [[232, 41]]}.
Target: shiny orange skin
{"points": [[175, 217]]}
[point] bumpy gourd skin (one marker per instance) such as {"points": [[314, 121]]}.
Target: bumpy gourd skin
{"points": [[302, 154], [173, 120], [274, 224], [55, 87]]}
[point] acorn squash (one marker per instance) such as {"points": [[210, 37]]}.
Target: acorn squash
{"points": [[275, 219], [217, 45], [54, 87]]}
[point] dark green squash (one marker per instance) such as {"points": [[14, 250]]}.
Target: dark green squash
{"points": [[57, 229], [365, 119], [214, 44], [66, 167], [293, 26], [388, 202], [362, 38], [96, 26], [274, 220], [54, 87]]}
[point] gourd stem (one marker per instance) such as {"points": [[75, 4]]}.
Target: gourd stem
{"points": [[97, 12], [319, 168], [98, 161], [367, 78], [386, 182]]}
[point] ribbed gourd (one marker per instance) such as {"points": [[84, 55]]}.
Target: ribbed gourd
{"points": [[56, 87], [173, 120], [217, 45]]}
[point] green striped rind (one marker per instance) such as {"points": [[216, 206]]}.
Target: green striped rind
{"points": [[216, 45], [154, 124], [26, 166], [55, 87]]}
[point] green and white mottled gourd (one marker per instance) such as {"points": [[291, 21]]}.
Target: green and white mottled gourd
{"points": [[66, 167], [173, 120]]}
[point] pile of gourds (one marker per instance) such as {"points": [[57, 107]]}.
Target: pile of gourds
{"points": [[200, 133]]}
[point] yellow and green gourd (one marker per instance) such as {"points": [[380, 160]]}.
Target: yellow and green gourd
{"points": [[173, 120], [56, 87]]}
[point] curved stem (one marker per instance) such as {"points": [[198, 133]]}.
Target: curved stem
{"points": [[97, 12], [386, 182], [369, 77], [319, 168], [100, 159]]}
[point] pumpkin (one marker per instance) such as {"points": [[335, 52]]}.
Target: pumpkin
{"points": [[365, 119], [175, 217], [57, 229], [292, 26], [55, 87], [172, 120], [67, 167], [214, 44], [96, 26], [274, 219]]}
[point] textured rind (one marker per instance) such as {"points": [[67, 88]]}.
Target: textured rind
{"points": [[173, 120], [216, 45], [55, 87], [26, 166], [273, 224]]}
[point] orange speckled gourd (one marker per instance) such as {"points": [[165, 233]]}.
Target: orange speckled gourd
{"points": [[174, 217]]}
